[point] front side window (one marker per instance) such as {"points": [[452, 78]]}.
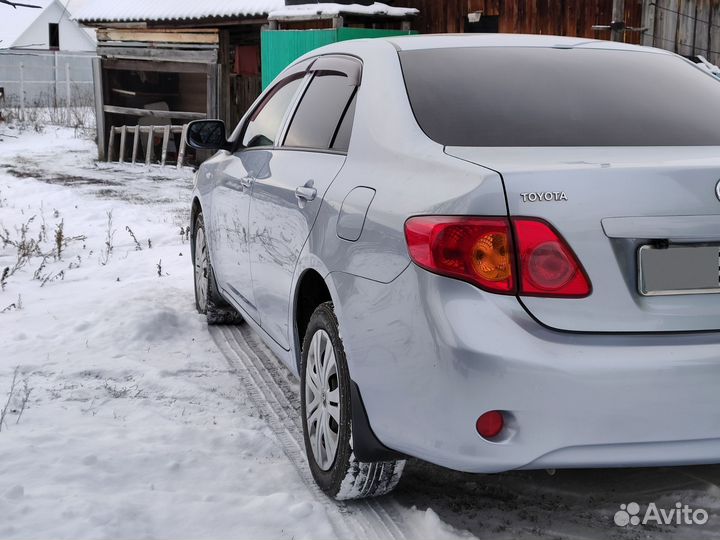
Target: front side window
{"points": [[320, 111], [264, 124]]}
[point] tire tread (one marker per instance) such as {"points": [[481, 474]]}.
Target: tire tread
{"points": [[351, 478], [217, 310]]}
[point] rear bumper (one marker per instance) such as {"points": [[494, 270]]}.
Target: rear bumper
{"points": [[431, 354]]}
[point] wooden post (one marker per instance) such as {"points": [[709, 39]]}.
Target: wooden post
{"points": [[68, 94], [111, 144], [648, 38], [183, 142], [136, 142], [99, 113], [166, 139], [694, 39], [211, 102], [150, 143], [618, 15], [123, 136]]}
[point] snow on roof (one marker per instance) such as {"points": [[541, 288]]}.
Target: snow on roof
{"points": [[166, 10], [14, 21], [325, 9]]}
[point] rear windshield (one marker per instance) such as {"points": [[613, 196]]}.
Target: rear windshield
{"points": [[561, 97]]}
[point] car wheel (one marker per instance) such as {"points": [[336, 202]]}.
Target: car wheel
{"points": [[326, 417], [207, 297]]}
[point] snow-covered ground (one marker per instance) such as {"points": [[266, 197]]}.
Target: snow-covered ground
{"points": [[135, 424], [130, 419]]}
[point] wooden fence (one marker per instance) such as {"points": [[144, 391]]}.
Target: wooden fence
{"points": [[125, 132], [687, 27]]}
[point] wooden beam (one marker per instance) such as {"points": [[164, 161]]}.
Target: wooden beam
{"points": [[181, 150], [99, 115], [106, 24], [174, 30], [166, 139], [145, 129], [148, 65], [123, 138], [150, 142], [151, 35], [212, 91], [111, 144], [152, 113], [136, 142], [208, 56]]}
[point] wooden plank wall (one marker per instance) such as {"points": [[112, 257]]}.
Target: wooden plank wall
{"points": [[688, 27], [558, 17]]}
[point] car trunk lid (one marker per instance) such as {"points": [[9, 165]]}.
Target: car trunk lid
{"points": [[617, 207]]}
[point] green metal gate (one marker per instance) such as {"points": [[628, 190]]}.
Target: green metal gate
{"points": [[279, 48]]}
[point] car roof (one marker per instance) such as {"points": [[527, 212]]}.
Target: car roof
{"points": [[443, 41]]}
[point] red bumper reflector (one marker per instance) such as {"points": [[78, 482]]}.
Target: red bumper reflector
{"points": [[490, 424]]}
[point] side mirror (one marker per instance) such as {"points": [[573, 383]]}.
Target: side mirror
{"points": [[207, 135]]}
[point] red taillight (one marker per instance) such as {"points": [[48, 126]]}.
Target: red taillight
{"points": [[548, 267], [480, 250]]}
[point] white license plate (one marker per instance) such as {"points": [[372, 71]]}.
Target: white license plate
{"points": [[692, 269]]}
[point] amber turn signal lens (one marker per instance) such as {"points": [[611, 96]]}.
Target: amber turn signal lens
{"points": [[483, 251], [491, 257], [476, 250]]}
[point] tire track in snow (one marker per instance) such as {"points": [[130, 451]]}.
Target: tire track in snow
{"points": [[387, 509], [273, 394]]}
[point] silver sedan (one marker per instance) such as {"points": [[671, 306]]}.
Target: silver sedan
{"points": [[487, 252]]}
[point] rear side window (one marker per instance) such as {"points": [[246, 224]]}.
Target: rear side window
{"points": [[560, 97], [263, 126], [342, 138], [320, 111]]}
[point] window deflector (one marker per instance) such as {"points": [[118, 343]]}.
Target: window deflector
{"points": [[347, 65], [238, 133]]}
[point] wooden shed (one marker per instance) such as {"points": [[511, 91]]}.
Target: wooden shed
{"points": [[557, 17], [687, 27], [164, 63]]}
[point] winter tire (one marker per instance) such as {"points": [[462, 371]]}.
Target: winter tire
{"points": [[326, 417], [207, 297]]}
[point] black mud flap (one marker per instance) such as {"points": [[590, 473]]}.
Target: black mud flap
{"points": [[366, 446]]}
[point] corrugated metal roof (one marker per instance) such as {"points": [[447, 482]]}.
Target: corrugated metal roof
{"points": [[166, 10]]}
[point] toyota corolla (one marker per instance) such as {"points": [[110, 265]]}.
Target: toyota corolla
{"points": [[486, 252]]}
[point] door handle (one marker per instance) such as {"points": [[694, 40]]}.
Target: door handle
{"points": [[306, 193], [247, 181]]}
